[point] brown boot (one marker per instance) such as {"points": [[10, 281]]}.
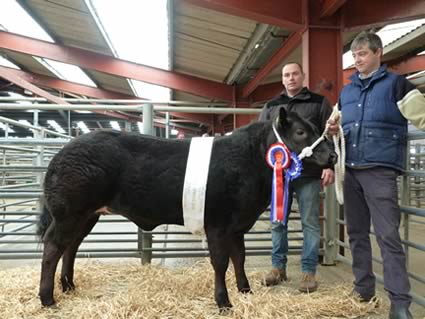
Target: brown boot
{"points": [[275, 276], [308, 282]]}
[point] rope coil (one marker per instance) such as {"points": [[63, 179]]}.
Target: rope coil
{"points": [[339, 144]]}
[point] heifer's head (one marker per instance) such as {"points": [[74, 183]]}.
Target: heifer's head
{"points": [[298, 133]]}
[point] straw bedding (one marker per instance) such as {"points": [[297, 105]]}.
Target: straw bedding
{"points": [[129, 290]]}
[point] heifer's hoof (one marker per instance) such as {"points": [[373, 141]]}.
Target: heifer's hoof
{"points": [[67, 285], [223, 311], [47, 301], [245, 290]]}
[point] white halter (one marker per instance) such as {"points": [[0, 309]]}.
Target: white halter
{"points": [[339, 143]]}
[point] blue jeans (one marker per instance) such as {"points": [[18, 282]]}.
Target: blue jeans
{"points": [[308, 195]]}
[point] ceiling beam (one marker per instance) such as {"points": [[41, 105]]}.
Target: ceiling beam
{"points": [[288, 46], [67, 86], [380, 12], [7, 74], [329, 7], [12, 77], [85, 90], [411, 65], [107, 64], [285, 14]]}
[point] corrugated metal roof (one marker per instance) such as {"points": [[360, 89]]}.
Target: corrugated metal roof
{"points": [[413, 41], [70, 23], [208, 43]]}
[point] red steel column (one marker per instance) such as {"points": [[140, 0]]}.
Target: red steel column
{"points": [[322, 54]]}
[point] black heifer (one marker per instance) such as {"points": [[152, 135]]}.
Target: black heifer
{"points": [[141, 178]]}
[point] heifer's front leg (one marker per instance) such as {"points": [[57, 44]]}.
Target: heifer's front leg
{"points": [[237, 254], [51, 256], [219, 254]]}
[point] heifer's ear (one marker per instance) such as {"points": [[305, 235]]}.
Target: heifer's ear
{"points": [[282, 120]]}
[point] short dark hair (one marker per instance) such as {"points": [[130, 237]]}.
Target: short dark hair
{"points": [[372, 40], [299, 65]]}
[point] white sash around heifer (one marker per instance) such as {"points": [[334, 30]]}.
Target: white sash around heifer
{"points": [[141, 177]]}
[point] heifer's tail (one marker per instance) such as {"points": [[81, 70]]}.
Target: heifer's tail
{"points": [[44, 221]]}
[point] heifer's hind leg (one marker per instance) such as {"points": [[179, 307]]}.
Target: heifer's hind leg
{"points": [[60, 234], [51, 256], [219, 254], [237, 254], [68, 259]]}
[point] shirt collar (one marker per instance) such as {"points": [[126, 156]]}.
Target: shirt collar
{"points": [[364, 77]]}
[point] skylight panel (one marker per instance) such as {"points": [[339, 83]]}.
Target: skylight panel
{"points": [[5, 62], [68, 72], [146, 24], [14, 18], [151, 92]]}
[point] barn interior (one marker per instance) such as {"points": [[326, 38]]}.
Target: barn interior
{"points": [[68, 67]]}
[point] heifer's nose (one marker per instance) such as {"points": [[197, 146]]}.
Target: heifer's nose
{"points": [[333, 158]]}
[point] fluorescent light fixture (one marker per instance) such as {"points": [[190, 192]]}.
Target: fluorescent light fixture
{"points": [[174, 132], [56, 126], [4, 127], [84, 112], [83, 127], [19, 96], [140, 126], [115, 125]]}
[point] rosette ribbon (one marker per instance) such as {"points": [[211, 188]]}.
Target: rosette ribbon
{"points": [[286, 167]]}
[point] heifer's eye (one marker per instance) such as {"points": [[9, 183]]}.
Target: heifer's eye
{"points": [[300, 131]]}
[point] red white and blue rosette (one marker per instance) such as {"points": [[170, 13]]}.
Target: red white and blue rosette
{"points": [[284, 164]]}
